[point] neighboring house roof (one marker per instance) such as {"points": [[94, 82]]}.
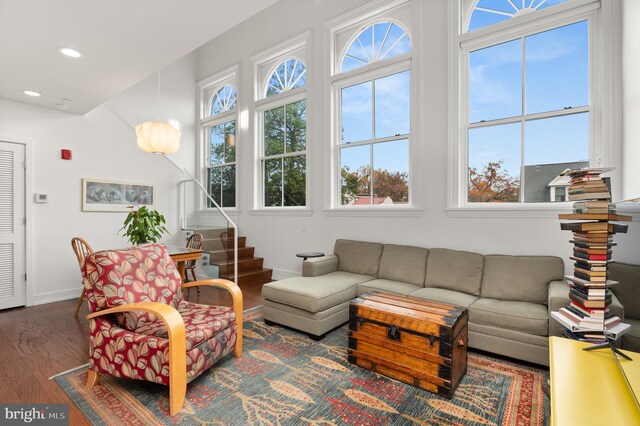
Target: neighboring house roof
{"points": [[537, 179], [365, 200], [560, 181]]}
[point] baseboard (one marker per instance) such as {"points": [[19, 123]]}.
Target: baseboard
{"points": [[57, 296], [281, 274]]}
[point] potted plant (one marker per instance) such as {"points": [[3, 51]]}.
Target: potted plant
{"points": [[143, 225]]}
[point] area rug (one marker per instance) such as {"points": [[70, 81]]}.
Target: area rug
{"points": [[285, 378]]}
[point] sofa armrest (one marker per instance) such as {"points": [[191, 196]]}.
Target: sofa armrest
{"points": [[558, 297], [320, 266]]}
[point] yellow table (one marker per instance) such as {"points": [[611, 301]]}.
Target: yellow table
{"points": [[588, 388]]}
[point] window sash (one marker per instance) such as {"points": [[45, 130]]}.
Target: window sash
{"points": [[520, 28], [208, 171], [278, 101], [207, 124], [369, 72], [263, 161]]}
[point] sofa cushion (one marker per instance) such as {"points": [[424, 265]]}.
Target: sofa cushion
{"points": [[403, 263], [521, 278], [446, 296], [388, 286], [628, 291], [314, 294], [358, 257], [525, 317], [454, 270]]}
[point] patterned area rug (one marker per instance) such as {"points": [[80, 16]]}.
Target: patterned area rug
{"points": [[285, 378]]}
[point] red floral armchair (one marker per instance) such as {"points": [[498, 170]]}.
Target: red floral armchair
{"points": [[142, 328]]}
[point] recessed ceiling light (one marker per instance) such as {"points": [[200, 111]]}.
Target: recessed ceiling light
{"points": [[31, 93], [72, 53]]}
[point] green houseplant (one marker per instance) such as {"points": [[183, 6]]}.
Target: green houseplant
{"points": [[143, 225]]}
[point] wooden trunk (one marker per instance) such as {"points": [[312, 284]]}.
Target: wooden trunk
{"points": [[413, 340]]}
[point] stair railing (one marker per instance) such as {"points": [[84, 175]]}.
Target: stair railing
{"points": [[183, 219]]}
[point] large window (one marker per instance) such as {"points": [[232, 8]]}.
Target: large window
{"points": [[527, 99], [282, 112], [372, 91], [219, 123]]}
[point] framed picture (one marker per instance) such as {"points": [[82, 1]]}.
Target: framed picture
{"points": [[109, 196]]}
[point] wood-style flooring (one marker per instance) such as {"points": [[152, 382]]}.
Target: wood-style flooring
{"points": [[41, 341]]}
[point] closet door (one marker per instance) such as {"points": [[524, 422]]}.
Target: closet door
{"points": [[12, 226]]}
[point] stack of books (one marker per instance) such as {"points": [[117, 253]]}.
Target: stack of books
{"points": [[588, 317]]}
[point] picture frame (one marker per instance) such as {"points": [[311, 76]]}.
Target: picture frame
{"points": [[112, 196]]}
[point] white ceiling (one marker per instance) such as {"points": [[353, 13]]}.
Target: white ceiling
{"points": [[122, 42]]}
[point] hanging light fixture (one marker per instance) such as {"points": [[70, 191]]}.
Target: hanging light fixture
{"points": [[158, 137]]}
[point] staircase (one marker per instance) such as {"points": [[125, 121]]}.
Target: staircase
{"points": [[219, 243]]}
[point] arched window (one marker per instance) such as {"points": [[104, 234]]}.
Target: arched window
{"points": [[219, 124], [282, 124], [289, 74], [372, 137], [527, 99], [489, 12], [376, 42], [224, 99]]}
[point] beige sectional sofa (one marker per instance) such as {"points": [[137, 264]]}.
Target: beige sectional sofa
{"points": [[507, 296]]}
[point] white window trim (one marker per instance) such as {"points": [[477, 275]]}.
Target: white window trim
{"points": [[228, 76], [605, 96], [359, 19], [277, 54]]}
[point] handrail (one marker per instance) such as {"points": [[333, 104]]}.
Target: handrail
{"points": [[233, 225]]}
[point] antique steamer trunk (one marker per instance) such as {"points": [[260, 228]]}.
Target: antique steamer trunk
{"points": [[413, 340]]}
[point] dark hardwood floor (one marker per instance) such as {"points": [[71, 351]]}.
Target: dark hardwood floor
{"points": [[41, 341]]}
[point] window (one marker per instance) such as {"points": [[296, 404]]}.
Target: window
{"points": [[372, 104], [219, 122], [281, 110], [527, 99]]}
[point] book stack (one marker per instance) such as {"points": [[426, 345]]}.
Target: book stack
{"points": [[588, 317]]}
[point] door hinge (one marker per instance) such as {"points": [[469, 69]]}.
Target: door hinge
{"points": [[24, 165], [25, 276], [24, 220]]}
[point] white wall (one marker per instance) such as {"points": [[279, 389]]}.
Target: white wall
{"points": [[631, 97], [103, 148], [279, 238]]}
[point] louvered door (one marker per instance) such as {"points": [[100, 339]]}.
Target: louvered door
{"points": [[12, 226]]}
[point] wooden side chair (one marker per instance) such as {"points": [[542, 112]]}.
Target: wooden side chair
{"points": [[141, 327], [194, 242], [82, 249]]}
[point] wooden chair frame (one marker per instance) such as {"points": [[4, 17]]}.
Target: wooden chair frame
{"points": [[177, 340], [81, 249]]}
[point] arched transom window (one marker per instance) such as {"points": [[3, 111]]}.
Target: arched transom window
{"points": [[224, 99], [489, 12], [379, 41], [289, 74]]}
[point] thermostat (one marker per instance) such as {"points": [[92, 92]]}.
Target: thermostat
{"points": [[41, 198]]}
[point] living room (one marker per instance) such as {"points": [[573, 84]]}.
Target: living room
{"points": [[438, 214]]}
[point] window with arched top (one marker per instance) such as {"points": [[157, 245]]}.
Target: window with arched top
{"points": [[281, 107], [372, 136], [528, 93], [489, 12], [224, 99], [289, 74], [219, 116], [376, 42]]}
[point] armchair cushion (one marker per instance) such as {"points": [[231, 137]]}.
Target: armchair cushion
{"points": [[138, 274], [201, 323], [127, 354]]}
